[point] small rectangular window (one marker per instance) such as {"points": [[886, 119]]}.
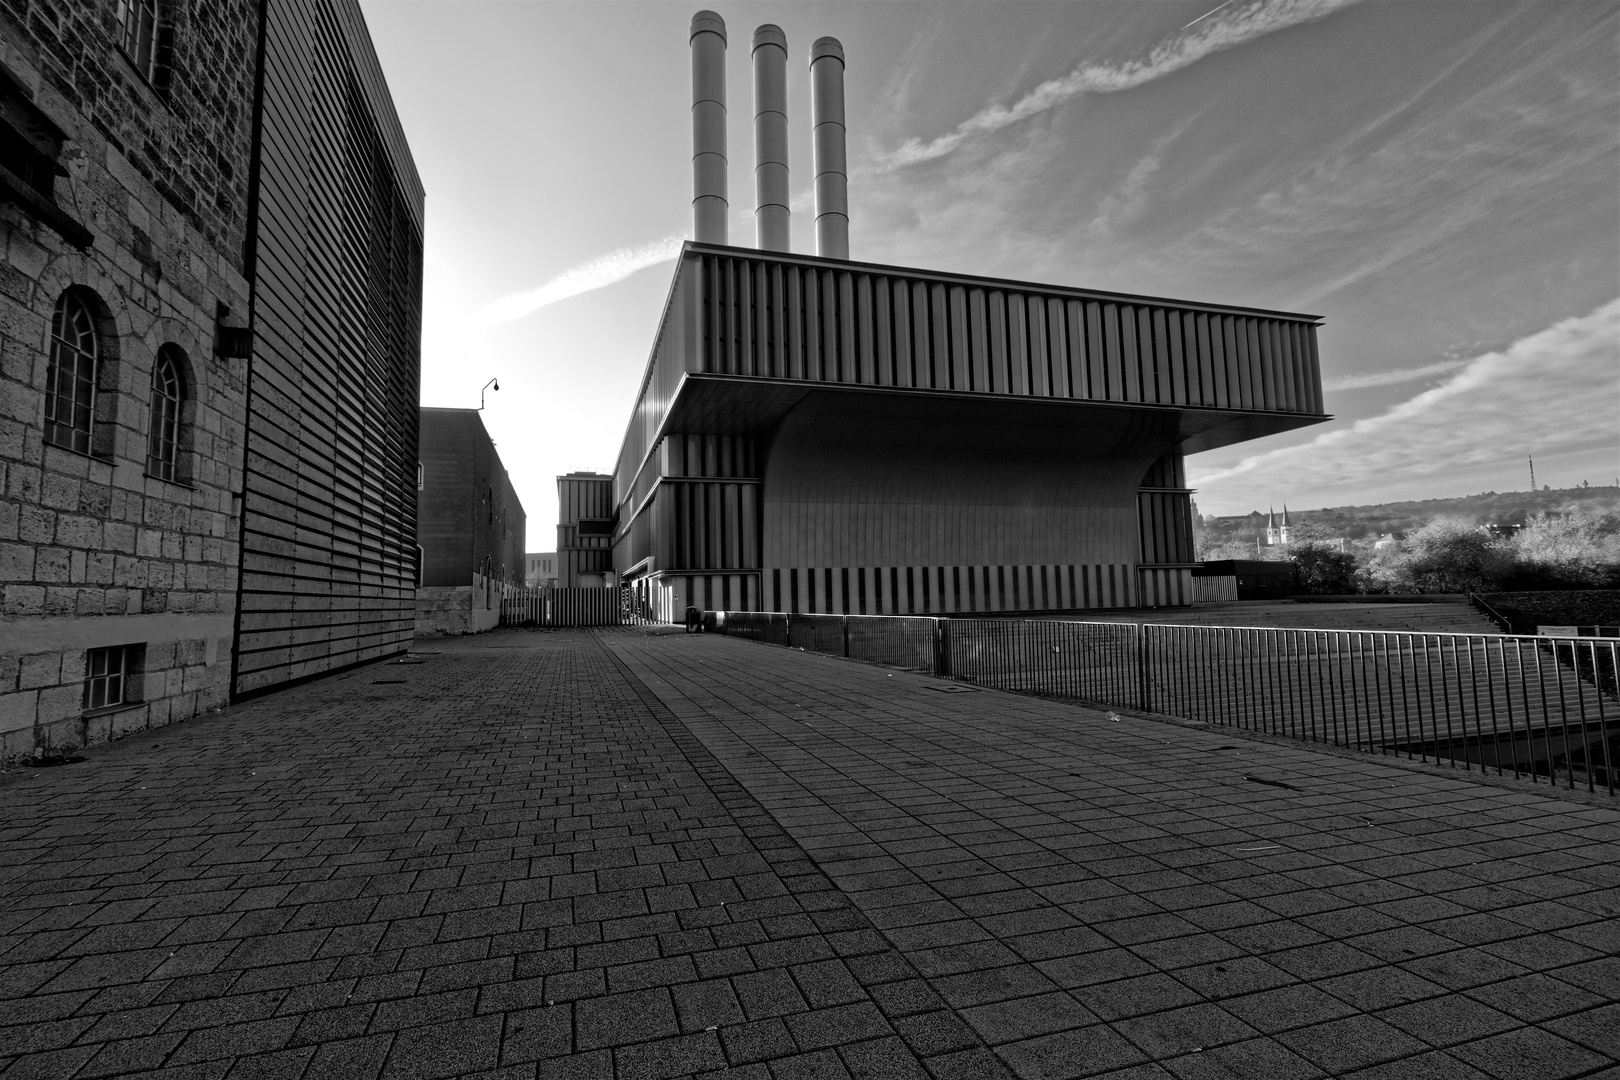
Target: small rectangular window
{"points": [[112, 676]]}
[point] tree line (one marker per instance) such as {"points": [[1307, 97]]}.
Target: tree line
{"points": [[1576, 548]]}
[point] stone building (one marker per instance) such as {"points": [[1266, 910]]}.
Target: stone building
{"points": [[209, 320], [123, 210]]}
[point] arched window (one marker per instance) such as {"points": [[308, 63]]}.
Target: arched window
{"points": [[168, 395], [70, 383]]}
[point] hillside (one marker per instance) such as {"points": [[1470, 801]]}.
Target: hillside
{"points": [[1356, 522]]}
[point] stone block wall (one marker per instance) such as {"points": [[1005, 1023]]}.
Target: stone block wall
{"points": [[459, 609], [95, 552]]}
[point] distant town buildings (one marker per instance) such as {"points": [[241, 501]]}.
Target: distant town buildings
{"points": [[209, 326], [470, 525]]}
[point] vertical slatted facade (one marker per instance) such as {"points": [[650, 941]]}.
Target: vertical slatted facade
{"points": [[329, 516], [1164, 526], [584, 527], [773, 319]]}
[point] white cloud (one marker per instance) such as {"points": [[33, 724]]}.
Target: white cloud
{"points": [[1219, 31], [1554, 391], [1391, 378], [598, 272]]}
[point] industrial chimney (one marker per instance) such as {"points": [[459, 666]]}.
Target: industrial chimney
{"points": [[832, 174], [771, 214], [709, 204]]}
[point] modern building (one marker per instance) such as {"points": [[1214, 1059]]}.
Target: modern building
{"points": [[540, 569], [328, 528], [470, 525], [1246, 579], [209, 312], [817, 434], [584, 530]]}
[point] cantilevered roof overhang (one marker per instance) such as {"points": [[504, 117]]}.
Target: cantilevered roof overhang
{"points": [[750, 405]]}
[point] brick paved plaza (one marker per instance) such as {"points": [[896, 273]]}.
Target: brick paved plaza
{"points": [[618, 853]]}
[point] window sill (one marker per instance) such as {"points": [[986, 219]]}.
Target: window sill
{"points": [[187, 484], [105, 459], [106, 710]]}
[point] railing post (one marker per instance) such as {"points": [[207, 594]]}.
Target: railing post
{"points": [[1144, 694], [843, 624]]}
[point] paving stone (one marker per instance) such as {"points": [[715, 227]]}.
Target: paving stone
{"points": [[654, 855], [1083, 1051]]}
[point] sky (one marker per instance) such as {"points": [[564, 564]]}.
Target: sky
{"points": [[1439, 180]]}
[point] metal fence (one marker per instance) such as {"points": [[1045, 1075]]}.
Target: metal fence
{"points": [[636, 605], [1536, 707]]}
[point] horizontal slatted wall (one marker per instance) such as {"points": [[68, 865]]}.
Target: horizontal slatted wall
{"points": [[775, 319], [329, 518]]}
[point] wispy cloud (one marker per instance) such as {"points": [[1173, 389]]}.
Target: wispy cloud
{"points": [[1552, 391], [1391, 378], [1399, 190], [598, 272], [1222, 30]]}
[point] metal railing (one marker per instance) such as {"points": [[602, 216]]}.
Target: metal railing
{"points": [[1495, 701], [1092, 661], [1533, 707]]}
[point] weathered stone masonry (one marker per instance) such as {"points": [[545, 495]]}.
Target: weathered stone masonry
{"points": [[95, 552]]}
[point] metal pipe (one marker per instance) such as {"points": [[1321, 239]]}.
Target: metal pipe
{"points": [[709, 204], [832, 171], [771, 213]]}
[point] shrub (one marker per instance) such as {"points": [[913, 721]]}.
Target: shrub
{"points": [[1577, 549], [1446, 555], [1323, 568]]}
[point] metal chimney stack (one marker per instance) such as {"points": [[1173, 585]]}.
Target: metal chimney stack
{"points": [[832, 173], [771, 213], [709, 204]]}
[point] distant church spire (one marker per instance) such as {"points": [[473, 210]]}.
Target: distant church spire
{"points": [[1277, 534]]}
